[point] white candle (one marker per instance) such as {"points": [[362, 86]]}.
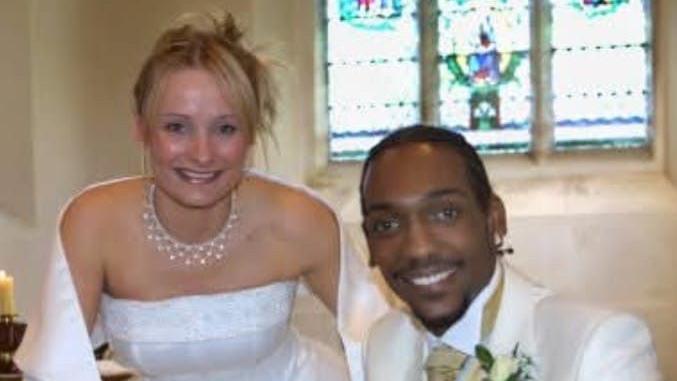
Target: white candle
{"points": [[6, 294]]}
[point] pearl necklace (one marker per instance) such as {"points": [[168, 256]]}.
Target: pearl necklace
{"points": [[188, 254]]}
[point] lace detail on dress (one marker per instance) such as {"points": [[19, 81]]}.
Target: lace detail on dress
{"points": [[198, 317]]}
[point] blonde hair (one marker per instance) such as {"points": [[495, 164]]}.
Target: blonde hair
{"points": [[213, 44]]}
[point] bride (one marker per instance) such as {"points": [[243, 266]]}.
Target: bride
{"points": [[191, 273]]}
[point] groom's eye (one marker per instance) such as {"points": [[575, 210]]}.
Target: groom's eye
{"points": [[382, 225], [444, 214]]}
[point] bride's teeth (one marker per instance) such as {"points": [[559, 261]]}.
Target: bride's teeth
{"points": [[431, 279], [198, 176]]}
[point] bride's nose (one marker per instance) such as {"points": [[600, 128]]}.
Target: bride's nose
{"points": [[200, 148]]}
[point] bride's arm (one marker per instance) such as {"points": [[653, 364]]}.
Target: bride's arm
{"points": [[341, 279], [83, 248], [320, 244]]}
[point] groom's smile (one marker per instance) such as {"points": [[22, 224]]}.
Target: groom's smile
{"points": [[433, 273], [431, 280]]}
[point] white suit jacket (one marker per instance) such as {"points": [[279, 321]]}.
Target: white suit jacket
{"points": [[568, 341]]}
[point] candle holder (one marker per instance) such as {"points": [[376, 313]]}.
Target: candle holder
{"points": [[11, 333]]}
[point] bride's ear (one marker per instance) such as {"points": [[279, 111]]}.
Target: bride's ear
{"points": [[140, 130]]}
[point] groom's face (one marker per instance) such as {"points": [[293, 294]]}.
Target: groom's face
{"points": [[426, 230]]}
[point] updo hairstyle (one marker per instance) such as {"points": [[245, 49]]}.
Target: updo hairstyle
{"points": [[216, 45]]}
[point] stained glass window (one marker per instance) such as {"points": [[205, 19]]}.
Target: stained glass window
{"points": [[373, 72], [485, 86], [493, 62], [600, 61]]}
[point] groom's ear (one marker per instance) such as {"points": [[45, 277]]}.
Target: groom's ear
{"points": [[496, 217]]}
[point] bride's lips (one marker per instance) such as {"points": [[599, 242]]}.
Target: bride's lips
{"points": [[197, 177]]}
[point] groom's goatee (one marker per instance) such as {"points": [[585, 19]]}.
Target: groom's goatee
{"points": [[440, 325]]}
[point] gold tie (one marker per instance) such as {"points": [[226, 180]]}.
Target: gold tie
{"points": [[444, 363]]}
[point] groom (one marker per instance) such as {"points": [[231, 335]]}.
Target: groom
{"points": [[435, 229]]}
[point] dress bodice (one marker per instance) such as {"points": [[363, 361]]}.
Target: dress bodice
{"points": [[233, 335]]}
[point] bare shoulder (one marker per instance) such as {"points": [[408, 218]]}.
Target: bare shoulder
{"points": [[97, 211], [296, 210]]}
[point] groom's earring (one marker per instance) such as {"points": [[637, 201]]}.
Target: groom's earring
{"points": [[501, 246]]}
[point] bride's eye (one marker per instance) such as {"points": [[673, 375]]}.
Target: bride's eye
{"points": [[175, 127], [227, 129]]}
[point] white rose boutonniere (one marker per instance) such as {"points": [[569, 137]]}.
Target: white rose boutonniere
{"points": [[513, 367]]}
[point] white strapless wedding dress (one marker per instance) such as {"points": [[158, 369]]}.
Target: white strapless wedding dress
{"points": [[242, 335], [238, 336]]}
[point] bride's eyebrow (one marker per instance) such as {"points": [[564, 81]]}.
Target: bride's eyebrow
{"points": [[230, 118], [173, 115]]}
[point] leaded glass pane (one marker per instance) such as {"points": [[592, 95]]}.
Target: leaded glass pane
{"points": [[373, 74], [485, 86], [600, 73]]}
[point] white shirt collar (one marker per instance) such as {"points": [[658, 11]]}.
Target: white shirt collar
{"points": [[466, 333]]}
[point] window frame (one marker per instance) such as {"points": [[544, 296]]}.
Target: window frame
{"points": [[542, 160]]}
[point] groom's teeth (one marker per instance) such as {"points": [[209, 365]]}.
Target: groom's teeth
{"points": [[431, 279]]}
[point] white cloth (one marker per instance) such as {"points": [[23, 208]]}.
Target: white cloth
{"points": [[57, 347], [567, 341]]}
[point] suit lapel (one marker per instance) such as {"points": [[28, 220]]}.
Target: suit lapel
{"points": [[396, 349], [515, 319]]}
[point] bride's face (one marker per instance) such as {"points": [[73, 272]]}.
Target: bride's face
{"points": [[197, 145]]}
